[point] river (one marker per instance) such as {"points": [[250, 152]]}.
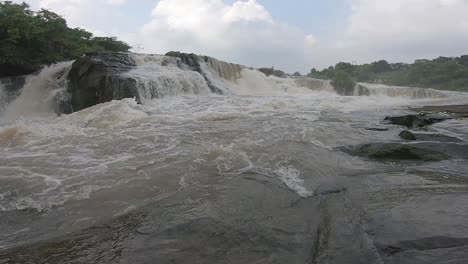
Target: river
{"points": [[251, 176]]}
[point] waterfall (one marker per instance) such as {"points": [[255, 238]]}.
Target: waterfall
{"points": [[103, 77], [366, 89], [43, 93], [10, 89], [158, 76], [315, 84]]}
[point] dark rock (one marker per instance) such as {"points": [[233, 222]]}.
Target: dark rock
{"points": [[193, 61], [357, 90], [12, 70], [415, 121], [378, 129], [273, 72], [429, 243], [95, 78], [409, 135], [425, 151], [12, 84], [11, 87]]}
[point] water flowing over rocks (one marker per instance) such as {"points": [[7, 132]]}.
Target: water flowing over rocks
{"points": [[367, 89], [10, 89], [103, 77], [218, 163]]}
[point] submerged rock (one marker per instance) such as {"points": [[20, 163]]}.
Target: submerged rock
{"points": [[409, 135], [415, 121], [424, 151]]}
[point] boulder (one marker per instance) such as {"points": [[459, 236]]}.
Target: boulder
{"points": [[273, 72], [96, 78]]}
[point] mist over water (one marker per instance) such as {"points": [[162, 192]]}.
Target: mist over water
{"points": [[60, 174]]}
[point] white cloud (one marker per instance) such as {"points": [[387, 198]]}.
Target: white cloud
{"points": [[246, 32], [403, 30], [116, 2], [243, 32], [246, 11]]}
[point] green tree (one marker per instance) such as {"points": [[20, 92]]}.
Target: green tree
{"points": [[31, 39], [343, 83]]}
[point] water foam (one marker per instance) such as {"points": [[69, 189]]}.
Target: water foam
{"points": [[397, 91], [40, 92], [294, 180], [160, 76]]}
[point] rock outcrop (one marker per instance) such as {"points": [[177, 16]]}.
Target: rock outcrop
{"points": [[228, 71], [96, 78], [103, 77]]}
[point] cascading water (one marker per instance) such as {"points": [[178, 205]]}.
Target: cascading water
{"points": [[41, 93], [159, 76], [396, 91], [10, 88], [218, 153]]}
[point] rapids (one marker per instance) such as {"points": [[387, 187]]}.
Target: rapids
{"points": [[60, 175]]}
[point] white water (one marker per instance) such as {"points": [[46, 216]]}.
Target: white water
{"points": [[160, 76], [399, 91], [40, 91], [99, 162]]}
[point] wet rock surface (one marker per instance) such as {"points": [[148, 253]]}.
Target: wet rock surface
{"points": [[415, 121], [10, 88], [96, 78], [425, 136], [424, 151], [412, 215], [251, 219]]}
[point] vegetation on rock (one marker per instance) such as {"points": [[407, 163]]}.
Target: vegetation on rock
{"points": [[31, 39]]}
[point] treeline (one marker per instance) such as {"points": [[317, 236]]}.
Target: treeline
{"points": [[31, 39], [441, 73]]}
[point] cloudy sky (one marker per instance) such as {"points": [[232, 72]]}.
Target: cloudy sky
{"points": [[291, 35]]}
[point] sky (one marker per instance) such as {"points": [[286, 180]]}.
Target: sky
{"points": [[294, 35]]}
